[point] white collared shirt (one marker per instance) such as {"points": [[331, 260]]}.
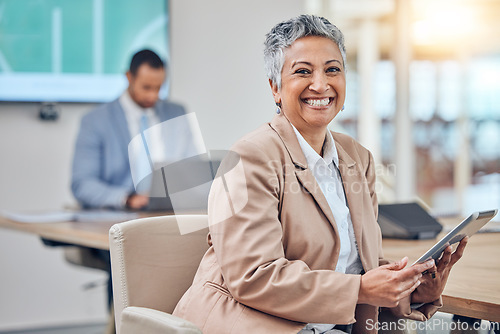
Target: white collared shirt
{"points": [[133, 114], [328, 177]]}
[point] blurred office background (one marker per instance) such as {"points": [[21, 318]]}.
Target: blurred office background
{"points": [[423, 94]]}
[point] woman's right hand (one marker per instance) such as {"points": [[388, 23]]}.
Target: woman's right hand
{"points": [[386, 285]]}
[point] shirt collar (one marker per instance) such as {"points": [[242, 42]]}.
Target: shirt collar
{"points": [[129, 105], [329, 150]]}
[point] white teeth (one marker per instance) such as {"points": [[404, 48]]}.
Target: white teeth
{"points": [[318, 103]]}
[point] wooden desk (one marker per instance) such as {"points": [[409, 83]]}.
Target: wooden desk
{"points": [[473, 288], [89, 234]]}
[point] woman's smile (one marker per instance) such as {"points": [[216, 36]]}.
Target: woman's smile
{"points": [[320, 103]]}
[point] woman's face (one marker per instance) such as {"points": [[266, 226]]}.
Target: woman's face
{"points": [[312, 83]]}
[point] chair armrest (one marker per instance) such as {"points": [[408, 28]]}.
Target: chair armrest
{"points": [[145, 320]]}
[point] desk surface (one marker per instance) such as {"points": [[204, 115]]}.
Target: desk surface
{"points": [[473, 287], [89, 234]]}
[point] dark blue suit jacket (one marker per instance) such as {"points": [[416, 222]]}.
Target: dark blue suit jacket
{"points": [[101, 175]]}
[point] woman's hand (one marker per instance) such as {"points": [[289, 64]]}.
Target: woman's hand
{"points": [[434, 281], [386, 285]]}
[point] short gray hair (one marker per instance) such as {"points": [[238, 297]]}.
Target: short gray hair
{"points": [[285, 33]]}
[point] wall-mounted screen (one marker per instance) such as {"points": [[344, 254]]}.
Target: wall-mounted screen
{"points": [[75, 51]]}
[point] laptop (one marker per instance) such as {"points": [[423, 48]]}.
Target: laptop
{"points": [[183, 186]]}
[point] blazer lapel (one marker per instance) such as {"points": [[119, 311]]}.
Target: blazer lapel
{"points": [[118, 119], [284, 129], [353, 187]]}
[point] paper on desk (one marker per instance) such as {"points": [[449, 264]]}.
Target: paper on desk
{"points": [[104, 216], [64, 216], [39, 217]]}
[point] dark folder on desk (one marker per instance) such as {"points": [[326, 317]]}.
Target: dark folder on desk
{"points": [[407, 221]]}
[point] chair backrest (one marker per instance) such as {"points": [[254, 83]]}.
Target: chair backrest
{"points": [[152, 264]]}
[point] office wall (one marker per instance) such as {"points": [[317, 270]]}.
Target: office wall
{"points": [[216, 71], [218, 68], [37, 287]]}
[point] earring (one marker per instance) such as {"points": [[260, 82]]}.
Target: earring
{"points": [[278, 108], [343, 107]]}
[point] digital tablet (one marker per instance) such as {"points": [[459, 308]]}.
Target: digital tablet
{"points": [[466, 228]]}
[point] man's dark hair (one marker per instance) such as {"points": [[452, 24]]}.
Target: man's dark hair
{"points": [[145, 57]]}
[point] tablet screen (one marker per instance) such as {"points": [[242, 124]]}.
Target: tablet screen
{"points": [[468, 227]]}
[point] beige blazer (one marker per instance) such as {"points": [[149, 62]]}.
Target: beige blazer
{"points": [[274, 242]]}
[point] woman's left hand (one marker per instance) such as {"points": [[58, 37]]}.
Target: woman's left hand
{"points": [[434, 281]]}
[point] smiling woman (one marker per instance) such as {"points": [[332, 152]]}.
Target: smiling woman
{"points": [[294, 242]]}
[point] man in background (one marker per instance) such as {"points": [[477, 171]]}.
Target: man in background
{"points": [[102, 174]]}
